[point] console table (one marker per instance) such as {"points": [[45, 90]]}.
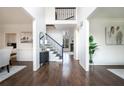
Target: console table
{"points": [[44, 57]]}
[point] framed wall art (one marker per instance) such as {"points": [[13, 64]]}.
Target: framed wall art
{"points": [[26, 37], [114, 35]]}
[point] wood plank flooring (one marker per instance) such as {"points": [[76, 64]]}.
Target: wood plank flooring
{"points": [[70, 73]]}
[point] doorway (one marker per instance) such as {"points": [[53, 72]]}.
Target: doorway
{"points": [[68, 42], [10, 40]]}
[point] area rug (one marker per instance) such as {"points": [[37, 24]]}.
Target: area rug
{"points": [[13, 69], [118, 72]]}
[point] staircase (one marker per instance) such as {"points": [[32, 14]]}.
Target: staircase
{"points": [[47, 43]]}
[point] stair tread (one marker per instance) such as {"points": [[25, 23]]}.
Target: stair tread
{"points": [[53, 52]]}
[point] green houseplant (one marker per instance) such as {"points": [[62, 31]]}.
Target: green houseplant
{"points": [[92, 48]]}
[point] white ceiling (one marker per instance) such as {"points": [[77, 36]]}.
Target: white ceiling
{"points": [[108, 12], [14, 15], [65, 27]]}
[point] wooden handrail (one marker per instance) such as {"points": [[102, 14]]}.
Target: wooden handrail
{"points": [[69, 18], [41, 37]]}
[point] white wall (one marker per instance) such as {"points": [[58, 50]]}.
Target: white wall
{"points": [[50, 15], [10, 38], [38, 14], [76, 44], [24, 50], [106, 54], [82, 15], [1, 39]]}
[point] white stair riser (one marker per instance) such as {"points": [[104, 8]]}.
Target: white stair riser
{"points": [[51, 52], [52, 55], [56, 60]]}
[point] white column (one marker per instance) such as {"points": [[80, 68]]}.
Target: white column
{"points": [[35, 47], [84, 45], [87, 45], [76, 44]]}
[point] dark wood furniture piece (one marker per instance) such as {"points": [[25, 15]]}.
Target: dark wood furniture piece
{"points": [[44, 57], [12, 59], [12, 44], [71, 47]]}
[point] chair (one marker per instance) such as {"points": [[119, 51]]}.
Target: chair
{"points": [[12, 54], [5, 57]]}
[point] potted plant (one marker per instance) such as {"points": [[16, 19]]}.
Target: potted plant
{"points": [[92, 48]]}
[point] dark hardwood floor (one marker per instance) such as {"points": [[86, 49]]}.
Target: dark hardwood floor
{"points": [[70, 73]]}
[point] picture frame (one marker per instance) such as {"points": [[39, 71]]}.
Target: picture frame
{"points": [[26, 37], [114, 35]]}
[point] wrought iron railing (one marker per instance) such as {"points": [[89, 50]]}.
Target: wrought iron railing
{"points": [[65, 13], [57, 46]]}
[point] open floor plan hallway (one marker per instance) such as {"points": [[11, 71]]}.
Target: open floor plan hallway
{"points": [[69, 73]]}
